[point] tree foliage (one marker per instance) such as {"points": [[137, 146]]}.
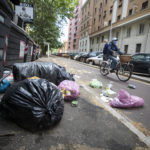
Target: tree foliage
{"points": [[48, 17]]}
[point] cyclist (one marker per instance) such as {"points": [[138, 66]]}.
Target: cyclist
{"points": [[112, 50]]}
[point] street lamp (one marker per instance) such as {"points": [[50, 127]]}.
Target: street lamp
{"points": [[48, 44], [110, 34]]}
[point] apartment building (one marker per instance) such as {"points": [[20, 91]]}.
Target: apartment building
{"points": [[86, 26], [129, 20], [74, 30]]}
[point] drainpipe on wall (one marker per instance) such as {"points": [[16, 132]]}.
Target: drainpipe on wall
{"points": [[112, 21]]}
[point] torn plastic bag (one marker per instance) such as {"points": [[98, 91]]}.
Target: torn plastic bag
{"points": [[33, 104], [70, 89], [4, 85], [50, 71], [125, 100], [96, 84]]}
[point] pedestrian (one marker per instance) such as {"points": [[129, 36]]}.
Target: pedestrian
{"points": [[105, 49]]}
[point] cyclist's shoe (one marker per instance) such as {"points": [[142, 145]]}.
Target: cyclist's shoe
{"points": [[112, 70]]}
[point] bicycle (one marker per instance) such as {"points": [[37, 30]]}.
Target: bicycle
{"points": [[123, 70]]}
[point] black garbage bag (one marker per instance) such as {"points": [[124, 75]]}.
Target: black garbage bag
{"points": [[50, 71], [33, 104]]}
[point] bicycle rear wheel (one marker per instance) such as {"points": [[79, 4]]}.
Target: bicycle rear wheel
{"points": [[104, 68], [124, 72]]}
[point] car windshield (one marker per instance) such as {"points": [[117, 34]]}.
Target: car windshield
{"points": [[93, 54], [148, 57], [99, 56], [141, 57]]}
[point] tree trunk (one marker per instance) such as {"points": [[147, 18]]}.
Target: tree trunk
{"points": [[43, 50]]}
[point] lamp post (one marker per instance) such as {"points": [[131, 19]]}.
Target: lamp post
{"points": [[48, 44]]}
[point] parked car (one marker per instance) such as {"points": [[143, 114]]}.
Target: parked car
{"points": [[141, 63], [95, 60], [72, 55], [91, 54], [77, 57]]}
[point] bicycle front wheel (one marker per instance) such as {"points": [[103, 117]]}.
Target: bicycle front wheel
{"points": [[104, 68], [124, 72]]}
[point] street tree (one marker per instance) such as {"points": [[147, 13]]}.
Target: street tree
{"points": [[48, 18]]}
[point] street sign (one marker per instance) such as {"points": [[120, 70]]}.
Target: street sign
{"points": [[25, 11]]}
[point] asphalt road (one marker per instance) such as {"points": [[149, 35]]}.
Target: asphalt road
{"points": [[139, 116], [90, 126]]}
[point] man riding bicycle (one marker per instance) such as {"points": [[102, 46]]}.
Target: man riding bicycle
{"points": [[112, 50]]}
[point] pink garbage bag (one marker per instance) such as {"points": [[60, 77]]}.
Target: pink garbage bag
{"points": [[125, 100], [70, 89]]}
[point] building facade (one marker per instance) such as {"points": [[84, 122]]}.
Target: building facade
{"points": [[74, 29], [128, 19]]}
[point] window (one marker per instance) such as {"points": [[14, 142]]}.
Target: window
{"points": [[147, 57], [106, 2], [141, 29], [102, 38], [104, 14], [98, 28], [98, 39], [87, 23], [126, 49], [117, 34], [88, 13], [93, 41], [100, 5], [138, 57], [94, 20], [138, 48], [118, 18], [130, 12], [99, 17], [95, 10], [109, 22], [85, 42], [145, 5], [128, 32], [120, 5], [111, 9]]}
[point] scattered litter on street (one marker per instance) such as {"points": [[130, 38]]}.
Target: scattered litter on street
{"points": [[96, 84], [78, 77], [125, 100], [74, 103], [104, 98], [33, 104], [131, 86], [70, 89]]}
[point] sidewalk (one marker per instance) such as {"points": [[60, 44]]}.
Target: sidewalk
{"points": [[141, 78]]}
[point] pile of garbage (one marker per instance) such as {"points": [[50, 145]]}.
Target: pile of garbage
{"points": [[50, 71], [34, 101], [33, 104]]}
